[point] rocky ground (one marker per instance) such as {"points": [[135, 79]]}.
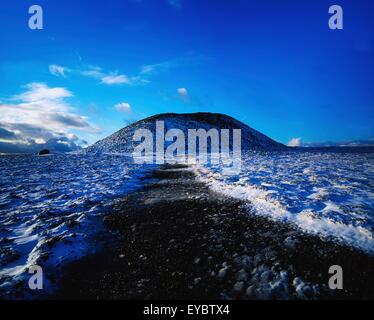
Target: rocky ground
{"points": [[179, 240]]}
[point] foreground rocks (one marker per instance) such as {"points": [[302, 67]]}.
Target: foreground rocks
{"points": [[179, 240], [43, 152]]}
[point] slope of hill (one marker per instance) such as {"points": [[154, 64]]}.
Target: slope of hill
{"points": [[122, 140]]}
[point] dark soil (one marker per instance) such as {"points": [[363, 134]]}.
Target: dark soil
{"points": [[179, 240]]}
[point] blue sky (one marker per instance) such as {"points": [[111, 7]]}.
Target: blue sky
{"points": [[98, 65]]}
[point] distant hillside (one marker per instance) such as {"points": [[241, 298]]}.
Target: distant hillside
{"points": [[121, 141]]}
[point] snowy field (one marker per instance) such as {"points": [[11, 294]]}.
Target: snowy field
{"points": [[51, 207], [330, 194]]}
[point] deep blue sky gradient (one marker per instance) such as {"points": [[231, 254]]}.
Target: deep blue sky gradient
{"points": [[272, 64]]}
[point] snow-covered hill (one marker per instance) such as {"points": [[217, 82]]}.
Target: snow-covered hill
{"points": [[122, 140]]}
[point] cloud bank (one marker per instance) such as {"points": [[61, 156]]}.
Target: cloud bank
{"points": [[41, 116]]}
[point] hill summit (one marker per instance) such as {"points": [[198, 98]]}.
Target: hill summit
{"points": [[122, 140]]}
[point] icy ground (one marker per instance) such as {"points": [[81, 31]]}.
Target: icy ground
{"points": [[50, 208], [330, 194]]}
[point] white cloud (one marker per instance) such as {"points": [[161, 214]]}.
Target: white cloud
{"points": [[39, 92], [295, 142], [111, 78], [114, 78], [183, 93], [40, 141], [123, 107], [95, 72], [57, 70], [41, 113]]}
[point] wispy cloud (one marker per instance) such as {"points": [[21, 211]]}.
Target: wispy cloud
{"points": [[108, 78], [189, 59], [57, 70], [112, 78], [116, 79], [91, 72], [39, 114]]}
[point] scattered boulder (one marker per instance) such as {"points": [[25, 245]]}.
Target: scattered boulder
{"points": [[43, 152]]}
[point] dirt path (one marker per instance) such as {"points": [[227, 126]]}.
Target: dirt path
{"points": [[179, 240]]}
